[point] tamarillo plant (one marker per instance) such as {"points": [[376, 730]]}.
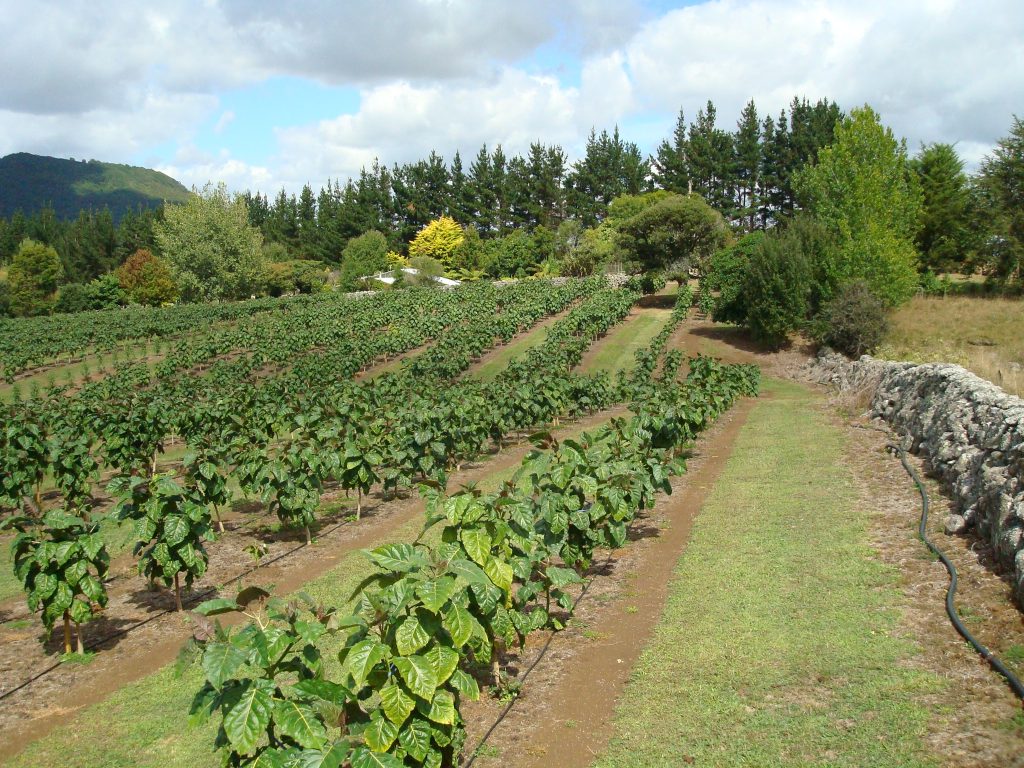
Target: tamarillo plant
{"points": [[205, 477], [61, 562]]}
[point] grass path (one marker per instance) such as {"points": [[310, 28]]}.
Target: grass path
{"points": [[614, 353], [775, 645]]}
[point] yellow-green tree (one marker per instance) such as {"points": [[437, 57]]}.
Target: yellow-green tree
{"points": [[438, 240], [34, 275], [862, 190]]}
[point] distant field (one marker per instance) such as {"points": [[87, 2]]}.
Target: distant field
{"points": [[985, 336]]}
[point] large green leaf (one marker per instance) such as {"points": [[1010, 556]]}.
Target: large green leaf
{"points": [[221, 661], [418, 675], [459, 623], [440, 709], [435, 594], [465, 684], [381, 733], [499, 572], [323, 689], [396, 557], [477, 543], [328, 757], [299, 722], [415, 738], [364, 758], [246, 722], [396, 702], [176, 530], [410, 636], [362, 657], [444, 661]]}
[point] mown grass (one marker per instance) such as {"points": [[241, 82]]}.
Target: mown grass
{"points": [[615, 352], [506, 354], [776, 646], [985, 335]]}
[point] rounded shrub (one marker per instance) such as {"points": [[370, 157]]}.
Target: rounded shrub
{"points": [[854, 322]]}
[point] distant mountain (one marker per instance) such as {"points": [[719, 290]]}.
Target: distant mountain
{"points": [[30, 182]]}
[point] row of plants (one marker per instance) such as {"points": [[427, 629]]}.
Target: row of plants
{"points": [[282, 443], [432, 616]]}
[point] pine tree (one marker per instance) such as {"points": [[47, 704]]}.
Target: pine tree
{"points": [[944, 237], [747, 168], [671, 168]]}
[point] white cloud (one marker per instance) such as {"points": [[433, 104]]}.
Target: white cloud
{"points": [[936, 71], [115, 80], [401, 122], [226, 118]]}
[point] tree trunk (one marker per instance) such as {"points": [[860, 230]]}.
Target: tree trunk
{"points": [[216, 515], [67, 632], [359, 503], [309, 536], [177, 592], [78, 638]]}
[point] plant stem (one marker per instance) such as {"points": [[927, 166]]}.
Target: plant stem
{"points": [[177, 592], [67, 632]]}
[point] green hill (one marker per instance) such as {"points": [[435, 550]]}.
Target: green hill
{"points": [[30, 182]]}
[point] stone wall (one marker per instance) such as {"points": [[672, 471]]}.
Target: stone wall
{"points": [[970, 433]]}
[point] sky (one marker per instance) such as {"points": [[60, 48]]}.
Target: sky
{"points": [[265, 95]]}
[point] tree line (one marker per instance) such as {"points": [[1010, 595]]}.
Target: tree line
{"points": [[540, 213]]}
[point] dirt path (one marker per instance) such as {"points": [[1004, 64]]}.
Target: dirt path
{"points": [[30, 713], [978, 718], [563, 713]]}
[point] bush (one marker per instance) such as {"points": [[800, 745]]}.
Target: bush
{"points": [[854, 322], [73, 297], [727, 271], [778, 290], [652, 282]]}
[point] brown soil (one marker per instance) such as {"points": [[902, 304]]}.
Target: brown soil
{"points": [[570, 679], [28, 714]]}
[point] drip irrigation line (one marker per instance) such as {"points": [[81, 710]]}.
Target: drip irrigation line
{"points": [[985, 653], [193, 599]]}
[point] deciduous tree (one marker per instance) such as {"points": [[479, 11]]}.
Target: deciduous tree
{"points": [[213, 250], [862, 190], [34, 275]]}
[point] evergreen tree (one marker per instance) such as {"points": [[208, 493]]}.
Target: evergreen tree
{"points": [[610, 167], [1001, 188], [480, 194], [944, 235], [671, 168], [306, 221], [747, 165], [709, 161]]}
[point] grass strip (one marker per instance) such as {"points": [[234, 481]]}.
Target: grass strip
{"points": [[776, 647], [614, 353], [506, 354]]}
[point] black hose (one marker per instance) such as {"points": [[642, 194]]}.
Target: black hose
{"points": [[992, 659]]}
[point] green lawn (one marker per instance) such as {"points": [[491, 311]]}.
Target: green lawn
{"points": [[615, 352], [776, 646]]}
